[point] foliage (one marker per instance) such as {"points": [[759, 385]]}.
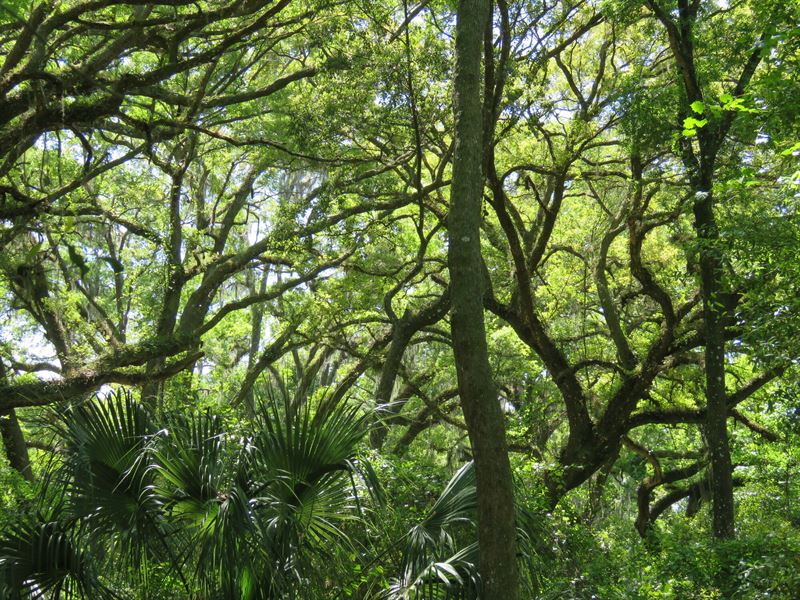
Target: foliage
{"points": [[242, 514], [198, 197]]}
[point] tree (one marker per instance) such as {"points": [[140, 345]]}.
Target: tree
{"points": [[482, 411], [701, 167], [265, 191]]}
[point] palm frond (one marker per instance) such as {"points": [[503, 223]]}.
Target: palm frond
{"points": [[206, 497], [106, 481], [106, 466], [437, 564], [41, 558]]}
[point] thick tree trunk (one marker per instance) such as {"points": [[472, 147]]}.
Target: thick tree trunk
{"points": [[14, 442], [701, 169], [482, 410], [13, 438], [716, 398]]}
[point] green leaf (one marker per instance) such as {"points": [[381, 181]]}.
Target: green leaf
{"points": [[443, 569], [736, 104], [692, 123], [791, 150], [698, 107], [13, 10]]}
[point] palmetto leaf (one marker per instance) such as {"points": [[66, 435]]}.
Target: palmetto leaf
{"points": [[41, 558], [453, 577], [305, 455], [306, 446], [106, 468], [425, 571], [251, 513], [303, 463], [188, 456], [457, 502], [433, 535], [107, 483], [204, 490], [250, 510]]}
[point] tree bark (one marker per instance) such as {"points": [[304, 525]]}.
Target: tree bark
{"points": [[482, 410], [13, 438], [14, 442], [701, 168], [403, 330], [716, 399]]}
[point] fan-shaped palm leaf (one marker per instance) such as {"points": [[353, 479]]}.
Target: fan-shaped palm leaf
{"points": [[106, 481], [205, 493], [41, 558], [304, 463], [105, 470], [434, 563]]}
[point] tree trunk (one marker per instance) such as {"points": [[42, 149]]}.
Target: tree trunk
{"points": [[717, 410], [403, 330], [482, 410], [14, 442], [13, 438], [701, 172]]}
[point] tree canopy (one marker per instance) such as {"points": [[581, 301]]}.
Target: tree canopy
{"points": [[324, 299]]}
